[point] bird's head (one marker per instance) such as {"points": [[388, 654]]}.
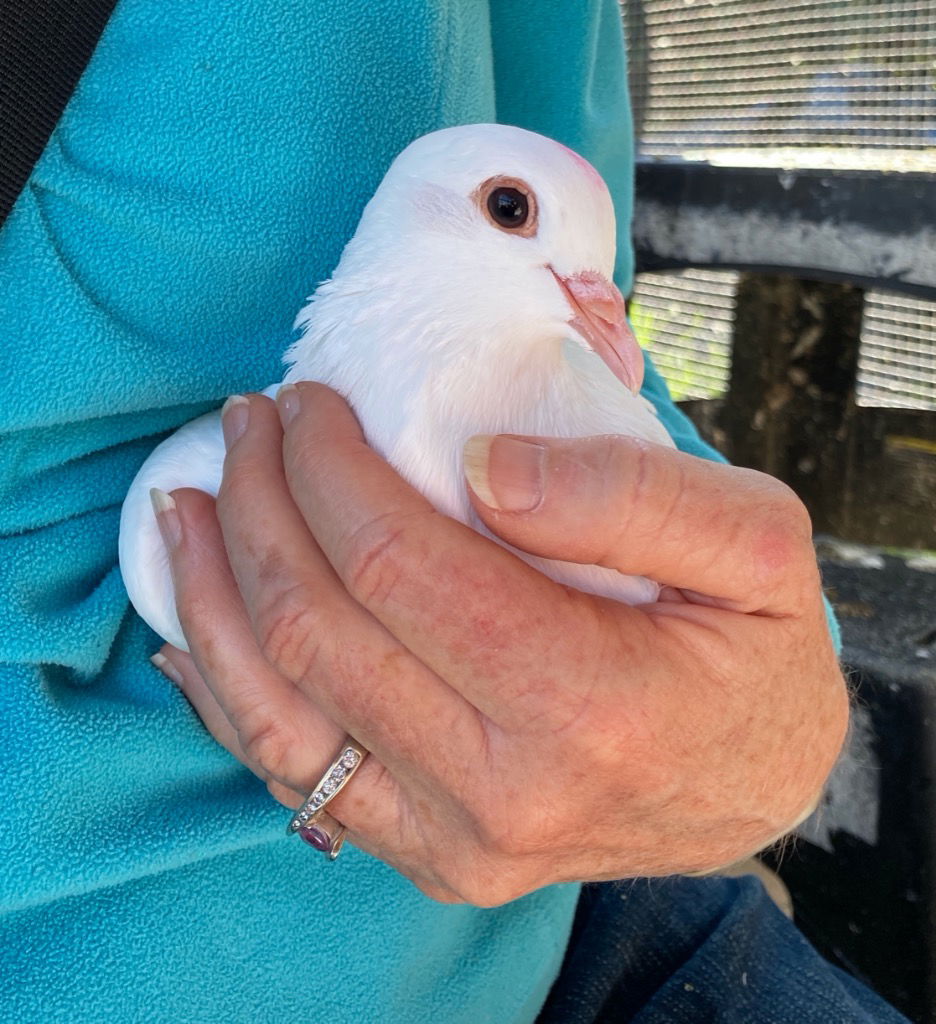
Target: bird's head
{"points": [[501, 234]]}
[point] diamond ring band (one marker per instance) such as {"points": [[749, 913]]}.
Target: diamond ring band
{"points": [[306, 821]]}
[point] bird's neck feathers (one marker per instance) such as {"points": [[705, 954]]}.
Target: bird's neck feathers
{"points": [[383, 345]]}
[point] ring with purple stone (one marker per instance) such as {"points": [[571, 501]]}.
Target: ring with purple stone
{"points": [[320, 837], [336, 777]]}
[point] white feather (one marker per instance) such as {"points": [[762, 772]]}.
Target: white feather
{"points": [[436, 326]]}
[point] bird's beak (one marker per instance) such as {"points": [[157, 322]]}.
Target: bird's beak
{"points": [[599, 316]]}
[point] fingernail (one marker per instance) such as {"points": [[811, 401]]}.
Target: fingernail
{"points": [[288, 402], [167, 516], [167, 668], [505, 472], [234, 415]]}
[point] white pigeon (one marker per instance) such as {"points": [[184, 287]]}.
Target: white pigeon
{"points": [[474, 298]]}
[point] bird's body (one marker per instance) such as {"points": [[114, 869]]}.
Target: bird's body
{"points": [[441, 322]]}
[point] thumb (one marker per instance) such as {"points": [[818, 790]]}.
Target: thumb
{"points": [[646, 509]]}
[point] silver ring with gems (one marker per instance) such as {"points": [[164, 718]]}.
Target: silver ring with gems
{"points": [[335, 778]]}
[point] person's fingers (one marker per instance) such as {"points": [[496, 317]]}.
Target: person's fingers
{"points": [[282, 736], [179, 667], [260, 717], [278, 731], [713, 531], [310, 628], [482, 619]]}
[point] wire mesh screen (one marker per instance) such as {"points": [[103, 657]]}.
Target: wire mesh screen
{"points": [[684, 321], [783, 73], [836, 82], [897, 359]]}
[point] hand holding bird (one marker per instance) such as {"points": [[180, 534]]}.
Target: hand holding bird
{"points": [[521, 732]]}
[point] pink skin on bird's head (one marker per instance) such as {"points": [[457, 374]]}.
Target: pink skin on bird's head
{"points": [[599, 316], [585, 166]]}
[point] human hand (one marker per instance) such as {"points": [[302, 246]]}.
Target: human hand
{"points": [[521, 733]]}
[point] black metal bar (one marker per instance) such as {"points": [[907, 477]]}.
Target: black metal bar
{"points": [[872, 228]]}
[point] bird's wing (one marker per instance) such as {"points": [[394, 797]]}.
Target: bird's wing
{"points": [[192, 457]]}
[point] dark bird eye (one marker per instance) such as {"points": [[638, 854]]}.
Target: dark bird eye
{"points": [[508, 207]]}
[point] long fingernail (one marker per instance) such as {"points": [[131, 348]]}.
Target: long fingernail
{"points": [[167, 516], [167, 668], [288, 402], [234, 415], [505, 472]]}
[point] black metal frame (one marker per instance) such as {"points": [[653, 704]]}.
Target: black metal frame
{"points": [[870, 228]]}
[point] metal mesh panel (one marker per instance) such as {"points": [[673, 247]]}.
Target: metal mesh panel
{"points": [[839, 82], [782, 73], [684, 321], [897, 359]]}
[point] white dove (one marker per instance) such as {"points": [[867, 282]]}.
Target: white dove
{"points": [[474, 298]]}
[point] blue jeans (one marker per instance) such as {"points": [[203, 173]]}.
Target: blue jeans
{"points": [[690, 950]]}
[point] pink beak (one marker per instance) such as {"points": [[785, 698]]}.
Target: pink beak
{"points": [[599, 316]]}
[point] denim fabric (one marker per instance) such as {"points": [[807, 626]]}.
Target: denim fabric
{"points": [[695, 950]]}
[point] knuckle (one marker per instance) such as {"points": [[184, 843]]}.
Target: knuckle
{"points": [[289, 628], [624, 471], [491, 885], [512, 838], [266, 744], [506, 842], [790, 511], [282, 794], [195, 614], [377, 555], [656, 494], [239, 485], [638, 455], [781, 540], [604, 454], [628, 461], [305, 452]]}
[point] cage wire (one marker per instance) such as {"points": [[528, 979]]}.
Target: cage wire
{"points": [[851, 82]]}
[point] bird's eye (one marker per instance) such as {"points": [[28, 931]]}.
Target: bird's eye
{"points": [[508, 207], [509, 204]]}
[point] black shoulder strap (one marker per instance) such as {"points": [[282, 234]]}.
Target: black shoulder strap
{"points": [[45, 45]]}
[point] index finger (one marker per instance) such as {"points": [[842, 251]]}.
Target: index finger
{"points": [[471, 610]]}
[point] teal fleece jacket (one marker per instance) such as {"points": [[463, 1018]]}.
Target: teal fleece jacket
{"points": [[204, 177]]}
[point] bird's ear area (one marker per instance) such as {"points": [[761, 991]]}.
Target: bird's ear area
{"points": [[433, 208]]}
